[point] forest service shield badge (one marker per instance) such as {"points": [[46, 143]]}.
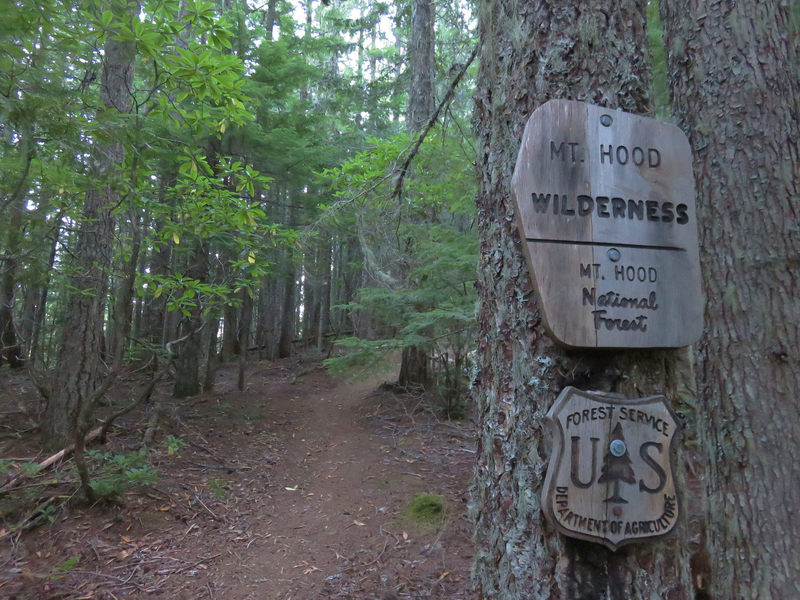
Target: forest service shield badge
{"points": [[610, 477]]}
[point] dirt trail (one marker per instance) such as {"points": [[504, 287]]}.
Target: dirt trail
{"points": [[293, 489]]}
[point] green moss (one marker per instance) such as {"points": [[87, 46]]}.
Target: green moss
{"points": [[425, 509]]}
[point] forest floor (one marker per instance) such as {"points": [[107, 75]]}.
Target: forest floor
{"points": [[297, 488]]}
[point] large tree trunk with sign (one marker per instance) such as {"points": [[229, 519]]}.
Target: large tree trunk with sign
{"points": [[735, 89], [531, 52]]}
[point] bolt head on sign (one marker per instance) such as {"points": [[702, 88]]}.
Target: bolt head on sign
{"points": [[606, 208], [610, 478]]}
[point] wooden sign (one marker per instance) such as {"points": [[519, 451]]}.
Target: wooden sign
{"points": [[610, 475], [606, 206]]}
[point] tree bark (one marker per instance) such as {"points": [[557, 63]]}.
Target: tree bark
{"points": [[270, 16], [413, 368], [78, 369], [421, 105], [324, 268], [310, 294], [122, 313], [420, 58], [230, 334], [288, 304], [245, 321], [189, 350], [10, 348], [733, 72], [287, 309], [533, 51], [41, 306], [208, 341]]}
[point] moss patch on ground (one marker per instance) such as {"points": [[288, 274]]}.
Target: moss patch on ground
{"points": [[426, 510]]}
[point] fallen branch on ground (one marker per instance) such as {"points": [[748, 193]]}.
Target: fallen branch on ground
{"points": [[49, 461]]}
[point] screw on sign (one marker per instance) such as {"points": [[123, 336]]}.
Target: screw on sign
{"points": [[617, 466], [610, 476]]}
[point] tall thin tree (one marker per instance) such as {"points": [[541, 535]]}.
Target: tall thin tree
{"points": [[421, 104], [79, 369]]}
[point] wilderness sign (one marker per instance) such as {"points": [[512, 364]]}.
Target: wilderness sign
{"points": [[606, 206], [610, 475]]}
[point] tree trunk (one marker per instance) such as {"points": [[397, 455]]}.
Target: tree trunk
{"points": [[324, 269], [533, 51], [10, 348], [353, 275], [267, 308], [230, 329], [122, 313], [245, 319], [189, 350], [420, 58], [413, 368], [310, 293], [138, 306], [733, 71], [79, 370], [38, 276], [270, 16], [287, 309], [154, 312], [421, 104], [41, 305], [288, 305], [210, 360]]}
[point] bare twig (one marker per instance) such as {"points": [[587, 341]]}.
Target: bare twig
{"points": [[203, 504], [143, 397], [170, 344], [222, 467]]}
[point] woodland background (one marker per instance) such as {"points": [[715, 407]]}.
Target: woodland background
{"points": [[186, 184], [197, 181]]}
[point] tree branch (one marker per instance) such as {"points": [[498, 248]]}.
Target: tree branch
{"points": [[401, 175], [143, 397]]}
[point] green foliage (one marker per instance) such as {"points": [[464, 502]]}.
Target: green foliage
{"points": [[227, 128], [174, 444], [29, 469], [116, 473], [426, 510], [217, 488], [362, 357], [188, 88], [421, 252], [68, 564]]}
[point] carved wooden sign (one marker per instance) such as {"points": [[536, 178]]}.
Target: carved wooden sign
{"points": [[610, 475], [606, 206]]}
